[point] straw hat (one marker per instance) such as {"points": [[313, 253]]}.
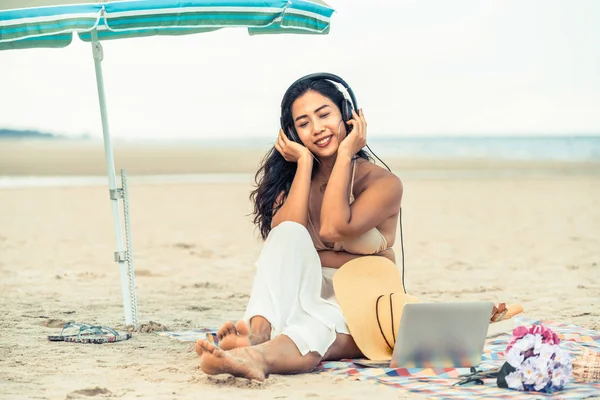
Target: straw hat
{"points": [[370, 293]]}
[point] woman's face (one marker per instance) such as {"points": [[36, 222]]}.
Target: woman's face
{"points": [[318, 122]]}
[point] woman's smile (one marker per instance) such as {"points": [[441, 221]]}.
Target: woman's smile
{"points": [[324, 141]]}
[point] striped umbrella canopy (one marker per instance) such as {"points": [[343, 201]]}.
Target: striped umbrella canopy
{"points": [[53, 23]]}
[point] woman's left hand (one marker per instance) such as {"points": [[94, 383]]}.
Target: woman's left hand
{"points": [[357, 138]]}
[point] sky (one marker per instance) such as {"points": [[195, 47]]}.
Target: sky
{"points": [[417, 68]]}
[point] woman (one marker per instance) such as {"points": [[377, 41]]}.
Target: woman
{"points": [[320, 202]]}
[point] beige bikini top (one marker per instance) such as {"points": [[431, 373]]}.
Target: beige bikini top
{"points": [[370, 242]]}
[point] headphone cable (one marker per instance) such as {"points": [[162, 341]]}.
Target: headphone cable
{"points": [[399, 220], [380, 160], [402, 247]]}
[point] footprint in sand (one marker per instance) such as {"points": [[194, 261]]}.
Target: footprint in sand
{"points": [[146, 272], [53, 323], [238, 296], [90, 275], [230, 381], [207, 285], [185, 246], [204, 253], [480, 289], [201, 252], [458, 265], [169, 369], [198, 308], [82, 393], [583, 314]]}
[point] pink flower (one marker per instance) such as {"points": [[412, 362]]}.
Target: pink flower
{"points": [[555, 338], [536, 329], [545, 333], [519, 332], [548, 336]]}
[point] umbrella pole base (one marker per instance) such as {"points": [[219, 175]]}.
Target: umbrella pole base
{"points": [[125, 257]]}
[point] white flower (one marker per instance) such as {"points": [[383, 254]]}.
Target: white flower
{"points": [[541, 379], [514, 357], [568, 368], [529, 372], [546, 351], [537, 344], [561, 356], [541, 384], [559, 378], [525, 343], [561, 368], [513, 380], [540, 364]]}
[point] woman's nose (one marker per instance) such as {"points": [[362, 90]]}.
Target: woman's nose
{"points": [[318, 127]]}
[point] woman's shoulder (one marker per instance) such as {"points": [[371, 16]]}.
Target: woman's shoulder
{"points": [[369, 174]]}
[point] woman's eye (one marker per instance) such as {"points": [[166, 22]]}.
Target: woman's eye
{"points": [[302, 125], [324, 115]]}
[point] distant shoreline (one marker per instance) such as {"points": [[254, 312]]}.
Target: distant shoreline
{"points": [[86, 158], [32, 134], [15, 134]]}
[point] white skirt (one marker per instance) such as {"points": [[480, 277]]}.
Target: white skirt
{"points": [[294, 293]]}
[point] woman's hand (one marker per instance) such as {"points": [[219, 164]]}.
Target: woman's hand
{"points": [[357, 138], [290, 150]]}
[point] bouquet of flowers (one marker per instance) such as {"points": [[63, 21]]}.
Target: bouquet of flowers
{"points": [[535, 361]]}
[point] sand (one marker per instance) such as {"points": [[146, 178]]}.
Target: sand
{"points": [[511, 232]]}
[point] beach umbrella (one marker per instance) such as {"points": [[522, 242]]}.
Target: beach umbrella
{"points": [[52, 23]]}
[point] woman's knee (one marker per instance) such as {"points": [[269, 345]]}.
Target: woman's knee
{"points": [[289, 228], [288, 236]]}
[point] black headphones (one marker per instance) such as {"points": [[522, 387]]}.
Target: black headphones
{"points": [[346, 107]]}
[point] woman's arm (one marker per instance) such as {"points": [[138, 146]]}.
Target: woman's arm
{"points": [[295, 207], [335, 209], [379, 201], [335, 259]]}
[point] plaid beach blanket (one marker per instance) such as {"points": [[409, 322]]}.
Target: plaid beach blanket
{"points": [[437, 383]]}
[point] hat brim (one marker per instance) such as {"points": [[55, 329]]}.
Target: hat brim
{"points": [[357, 285]]}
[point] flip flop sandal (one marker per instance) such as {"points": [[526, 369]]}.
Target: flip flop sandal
{"points": [[99, 335], [84, 333], [69, 329]]}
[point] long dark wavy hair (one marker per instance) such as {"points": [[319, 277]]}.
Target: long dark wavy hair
{"points": [[275, 174]]}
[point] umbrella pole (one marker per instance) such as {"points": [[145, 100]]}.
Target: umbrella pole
{"points": [[121, 256]]}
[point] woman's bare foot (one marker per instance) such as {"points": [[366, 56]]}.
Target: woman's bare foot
{"points": [[243, 362], [231, 336]]}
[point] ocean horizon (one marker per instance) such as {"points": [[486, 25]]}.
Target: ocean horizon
{"points": [[534, 149], [567, 148]]}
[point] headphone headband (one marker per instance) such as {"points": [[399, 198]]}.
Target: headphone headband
{"points": [[330, 77]]}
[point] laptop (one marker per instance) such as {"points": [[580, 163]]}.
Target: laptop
{"points": [[439, 335]]}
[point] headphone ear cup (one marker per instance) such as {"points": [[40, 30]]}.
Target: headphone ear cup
{"points": [[346, 111]]}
